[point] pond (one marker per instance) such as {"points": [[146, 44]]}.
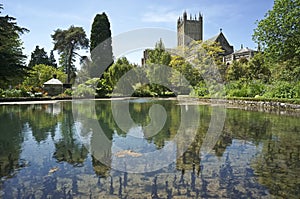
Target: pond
{"points": [[145, 148]]}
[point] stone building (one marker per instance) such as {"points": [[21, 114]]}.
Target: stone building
{"points": [[53, 86], [192, 29], [237, 55], [189, 29], [145, 56], [222, 41]]}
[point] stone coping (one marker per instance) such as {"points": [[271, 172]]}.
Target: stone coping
{"points": [[252, 105]]}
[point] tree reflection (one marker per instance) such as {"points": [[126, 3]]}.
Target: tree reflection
{"points": [[100, 169], [11, 138], [231, 170], [247, 126], [42, 119], [278, 167], [69, 148], [140, 115]]}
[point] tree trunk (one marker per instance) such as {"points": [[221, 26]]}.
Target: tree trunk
{"points": [[69, 64]]}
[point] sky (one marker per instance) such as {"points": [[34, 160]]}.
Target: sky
{"points": [[237, 18]]}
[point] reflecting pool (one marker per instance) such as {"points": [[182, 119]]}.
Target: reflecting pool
{"points": [[90, 149]]}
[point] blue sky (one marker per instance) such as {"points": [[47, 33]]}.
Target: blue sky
{"points": [[236, 17]]}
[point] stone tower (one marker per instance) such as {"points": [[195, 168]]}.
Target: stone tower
{"points": [[189, 29]]}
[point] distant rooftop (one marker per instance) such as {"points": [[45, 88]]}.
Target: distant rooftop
{"points": [[244, 50], [53, 81]]}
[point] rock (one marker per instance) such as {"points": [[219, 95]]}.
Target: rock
{"points": [[123, 153], [52, 170]]}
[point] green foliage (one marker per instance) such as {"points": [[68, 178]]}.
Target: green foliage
{"points": [[185, 69], [84, 91], [101, 46], [12, 66], [158, 55], [19, 91], [100, 30], [201, 90], [159, 76], [12, 93], [256, 88], [296, 90], [235, 71], [143, 91], [157, 61], [283, 89], [204, 57], [116, 72], [87, 89], [257, 68], [103, 89], [39, 56], [52, 61], [236, 89], [279, 35], [244, 88], [68, 92], [67, 42], [42, 73]]}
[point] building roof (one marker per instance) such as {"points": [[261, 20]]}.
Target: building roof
{"points": [[221, 39], [213, 39], [53, 81], [244, 50]]}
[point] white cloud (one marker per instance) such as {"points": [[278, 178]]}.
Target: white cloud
{"points": [[211, 13], [160, 14]]}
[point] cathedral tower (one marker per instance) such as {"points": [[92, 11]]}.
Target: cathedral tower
{"points": [[189, 29]]}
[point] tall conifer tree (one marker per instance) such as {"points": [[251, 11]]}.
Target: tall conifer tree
{"points": [[101, 45], [38, 56], [67, 42], [12, 59]]}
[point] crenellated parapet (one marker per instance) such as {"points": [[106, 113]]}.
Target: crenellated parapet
{"points": [[189, 29]]}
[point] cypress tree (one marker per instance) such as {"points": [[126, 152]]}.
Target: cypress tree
{"points": [[100, 30], [101, 45]]}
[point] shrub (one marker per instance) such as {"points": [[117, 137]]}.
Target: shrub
{"points": [[87, 89], [255, 88], [84, 91], [143, 91], [103, 89], [68, 92], [243, 88], [296, 90], [200, 90], [1, 92], [12, 93], [236, 89], [282, 89]]}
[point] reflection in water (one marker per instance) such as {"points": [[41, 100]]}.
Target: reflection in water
{"points": [[46, 153]]}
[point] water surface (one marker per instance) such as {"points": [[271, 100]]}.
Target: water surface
{"points": [[48, 152]]}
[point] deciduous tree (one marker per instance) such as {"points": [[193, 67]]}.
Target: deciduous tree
{"points": [[42, 73], [279, 33]]}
